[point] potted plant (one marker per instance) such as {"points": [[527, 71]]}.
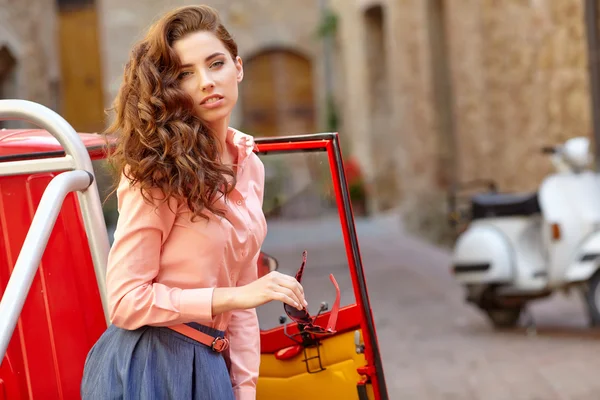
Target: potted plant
{"points": [[356, 186]]}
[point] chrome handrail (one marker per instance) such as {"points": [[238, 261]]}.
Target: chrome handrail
{"points": [[81, 179]]}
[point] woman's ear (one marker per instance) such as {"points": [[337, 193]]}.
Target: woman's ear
{"points": [[239, 65]]}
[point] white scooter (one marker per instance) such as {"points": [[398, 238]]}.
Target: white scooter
{"points": [[521, 247]]}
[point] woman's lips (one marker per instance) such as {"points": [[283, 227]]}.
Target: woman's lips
{"points": [[213, 101]]}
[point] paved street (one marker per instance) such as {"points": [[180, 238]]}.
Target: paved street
{"points": [[434, 346]]}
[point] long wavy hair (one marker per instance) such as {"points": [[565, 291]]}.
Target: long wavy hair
{"points": [[160, 143]]}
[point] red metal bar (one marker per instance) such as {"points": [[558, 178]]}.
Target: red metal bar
{"points": [[314, 144], [337, 184], [274, 339]]}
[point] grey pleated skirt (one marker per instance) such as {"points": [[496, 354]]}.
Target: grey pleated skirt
{"points": [[154, 363]]}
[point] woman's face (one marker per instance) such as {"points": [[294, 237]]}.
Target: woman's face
{"points": [[209, 75]]}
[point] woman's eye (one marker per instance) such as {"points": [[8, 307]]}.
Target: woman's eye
{"points": [[217, 64], [184, 74]]}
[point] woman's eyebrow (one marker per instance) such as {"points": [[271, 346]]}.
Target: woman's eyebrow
{"points": [[213, 55], [206, 59]]}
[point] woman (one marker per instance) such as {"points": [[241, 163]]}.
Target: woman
{"points": [[182, 272]]}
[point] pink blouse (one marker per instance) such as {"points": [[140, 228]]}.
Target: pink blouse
{"points": [[163, 268]]}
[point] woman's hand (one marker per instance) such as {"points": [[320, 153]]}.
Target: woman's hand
{"points": [[273, 286]]}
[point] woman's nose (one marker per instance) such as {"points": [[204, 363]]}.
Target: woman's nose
{"points": [[205, 82]]}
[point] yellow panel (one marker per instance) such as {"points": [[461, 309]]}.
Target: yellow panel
{"points": [[289, 380]]}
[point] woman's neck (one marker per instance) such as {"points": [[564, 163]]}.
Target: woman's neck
{"points": [[220, 129]]}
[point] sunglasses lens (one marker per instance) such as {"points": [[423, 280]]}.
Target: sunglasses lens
{"points": [[315, 329], [297, 315]]}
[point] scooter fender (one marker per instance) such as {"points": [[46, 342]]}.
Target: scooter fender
{"points": [[483, 254], [586, 260]]}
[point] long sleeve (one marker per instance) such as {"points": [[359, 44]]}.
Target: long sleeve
{"points": [[244, 330], [244, 342], [135, 299]]}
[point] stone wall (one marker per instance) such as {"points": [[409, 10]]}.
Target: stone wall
{"points": [[520, 79], [429, 91], [478, 87], [28, 32], [399, 155], [255, 24]]}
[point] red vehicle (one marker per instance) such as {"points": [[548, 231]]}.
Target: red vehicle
{"points": [[55, 237]]}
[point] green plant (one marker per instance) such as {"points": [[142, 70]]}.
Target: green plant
{"points": [[332, 114], [357, 187], [328, 25]]}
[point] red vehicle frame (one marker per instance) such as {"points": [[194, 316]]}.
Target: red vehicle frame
{"points": [[61, 313]]}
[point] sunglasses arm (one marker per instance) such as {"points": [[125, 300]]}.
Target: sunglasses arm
{"points": [[336, 306], [285, 332]]}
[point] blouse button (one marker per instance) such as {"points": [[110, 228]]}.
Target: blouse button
{"points": [[239, 202]]}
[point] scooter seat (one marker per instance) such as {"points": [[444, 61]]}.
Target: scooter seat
{"points": [[504, 205]]}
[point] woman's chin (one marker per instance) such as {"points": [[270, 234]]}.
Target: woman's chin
{"points": [[215, 116]]}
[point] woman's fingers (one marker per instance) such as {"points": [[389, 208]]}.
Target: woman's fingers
{"points": [[292, 295], [293, 285], [285, 299]]}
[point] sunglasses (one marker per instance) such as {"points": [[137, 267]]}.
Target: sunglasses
{"points": [[304, 320]]}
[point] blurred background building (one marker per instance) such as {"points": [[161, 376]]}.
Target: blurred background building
{"points": [[29, 52], [424, 93]]}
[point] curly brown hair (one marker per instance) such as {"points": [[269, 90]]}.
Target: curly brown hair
{"points": [[158, 141]]}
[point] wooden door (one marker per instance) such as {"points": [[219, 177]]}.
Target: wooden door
{"points": [[8, 82], [82, 91], [277, 95]]}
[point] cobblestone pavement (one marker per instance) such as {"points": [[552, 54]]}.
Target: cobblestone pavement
{"points": [[434, 346]]}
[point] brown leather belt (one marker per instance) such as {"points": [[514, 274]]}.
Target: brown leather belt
{"points": [[217, 344]]}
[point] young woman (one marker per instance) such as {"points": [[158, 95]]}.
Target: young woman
{"points": [[182, 272]]}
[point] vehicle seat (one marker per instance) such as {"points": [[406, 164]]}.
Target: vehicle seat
{"points": [[504, 205]]}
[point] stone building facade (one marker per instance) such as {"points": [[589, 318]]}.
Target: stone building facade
{"points": [[29, 66], [285, 27], [443, 91], [428, 92]]}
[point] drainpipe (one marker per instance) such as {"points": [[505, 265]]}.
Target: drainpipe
{"points": [[591, 23], [327, 64]]}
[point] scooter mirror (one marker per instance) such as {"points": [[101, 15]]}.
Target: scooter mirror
{"points": [[576, 152]]}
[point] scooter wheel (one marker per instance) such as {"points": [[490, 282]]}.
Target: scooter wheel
{"points": [[503, 318]]}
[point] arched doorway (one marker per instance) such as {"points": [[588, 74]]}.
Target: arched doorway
{"points": [[8, 81], [277, 94]]}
